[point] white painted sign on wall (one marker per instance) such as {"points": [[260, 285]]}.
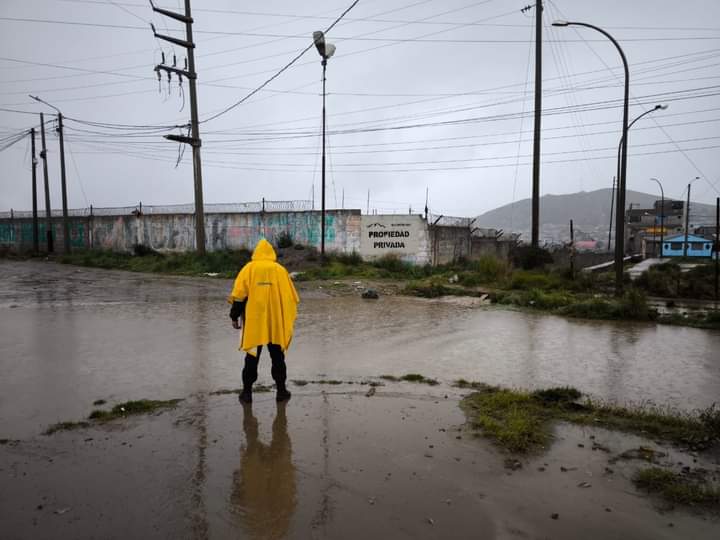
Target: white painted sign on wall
{"points": [[381, 235]]}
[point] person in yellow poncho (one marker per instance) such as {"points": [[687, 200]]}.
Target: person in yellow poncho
{"points": [[265, 298]]}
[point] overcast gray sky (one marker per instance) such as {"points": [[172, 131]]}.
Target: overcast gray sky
{"points": [[434, 93]]}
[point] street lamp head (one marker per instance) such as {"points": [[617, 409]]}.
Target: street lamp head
{"points": [[560, 23], [36, 98], [325, 49], [662, 107]]}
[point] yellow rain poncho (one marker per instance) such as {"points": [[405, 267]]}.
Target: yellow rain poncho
{"points": [[271, 300]]}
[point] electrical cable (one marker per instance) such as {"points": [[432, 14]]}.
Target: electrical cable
{"points": [[284, 68]]}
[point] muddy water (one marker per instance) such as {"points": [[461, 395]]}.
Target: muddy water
{"points": [[69, 336]]}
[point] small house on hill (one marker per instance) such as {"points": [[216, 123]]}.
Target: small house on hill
{"points": [[697, 246]]}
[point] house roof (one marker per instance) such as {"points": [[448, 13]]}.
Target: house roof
{"points": [[691, 238]]}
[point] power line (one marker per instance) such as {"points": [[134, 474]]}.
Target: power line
{"points": [[284, 68], [386, 39]]}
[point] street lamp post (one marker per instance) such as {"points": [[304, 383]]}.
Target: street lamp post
{"points": [[63, 182], [620, 146], [620, 210], [326, 50], [662, 217], [687, 218]]}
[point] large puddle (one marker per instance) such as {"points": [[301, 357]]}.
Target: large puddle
{"points": [[70, 336]]}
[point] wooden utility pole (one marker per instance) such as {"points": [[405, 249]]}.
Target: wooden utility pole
{"points": [[717, 246], [48, 211], [63, 183], [612, 207], [536, 136], [194, 139], [36, 234], [572, 251]]}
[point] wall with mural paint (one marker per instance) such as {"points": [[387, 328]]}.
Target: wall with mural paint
{"points": [[346, 231], [176, 232], [17, 234]]}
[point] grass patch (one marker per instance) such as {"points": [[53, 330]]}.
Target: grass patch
{"points": [[520, 421], [65, 426], [410, 377], [417, 378], [142, 406], [678, 488], [225, 263]]}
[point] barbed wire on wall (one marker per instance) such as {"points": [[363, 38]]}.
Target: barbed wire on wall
{"points": [[142, 209], [441, 220]]}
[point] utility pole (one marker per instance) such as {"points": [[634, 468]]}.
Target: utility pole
{"points": [[63, 183], [535, 227], [612, 205], [687, 222], [194, 139], [322, 197], [48, 211], [717, 246], [572, 251], [36, 235], [687, 219]]}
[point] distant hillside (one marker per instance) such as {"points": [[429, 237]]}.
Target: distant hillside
{"points": [[588, 210]]}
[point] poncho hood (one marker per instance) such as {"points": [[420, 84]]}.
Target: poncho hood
{"points": [[264, 252]]}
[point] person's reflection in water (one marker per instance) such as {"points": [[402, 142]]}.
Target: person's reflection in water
{"points": [[264, 491]]}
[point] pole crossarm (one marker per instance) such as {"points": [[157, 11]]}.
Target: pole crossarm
{"points": [[176, 41], [177, 16], [180, 72], [192, 141]]}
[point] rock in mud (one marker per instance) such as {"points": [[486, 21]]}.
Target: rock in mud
{"points": [[584, 485], [555, 516], [512, 464], [370, 294]]}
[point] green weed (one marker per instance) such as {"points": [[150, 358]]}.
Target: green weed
{"points": [[678, 488]]}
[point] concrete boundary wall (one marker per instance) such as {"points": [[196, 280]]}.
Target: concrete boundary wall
{"points": [[176, 232], [409, 237]]}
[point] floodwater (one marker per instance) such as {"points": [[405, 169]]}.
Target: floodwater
{"points": [[70, 336], [333, 462]]}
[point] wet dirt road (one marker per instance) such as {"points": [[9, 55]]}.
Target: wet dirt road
{"points": [[72, 335], [332, 463]]}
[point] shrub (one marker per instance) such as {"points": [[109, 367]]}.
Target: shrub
{"points": [[528, 257], [491, 268], [522, 279], [634, 305], [391, 263], [284, 240], [350, 259], [141, 250]]}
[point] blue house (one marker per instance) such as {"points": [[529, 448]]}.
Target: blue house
{"points": [[697, 246]]}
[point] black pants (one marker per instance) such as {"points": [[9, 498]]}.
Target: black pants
{"points": [[279, 369]]}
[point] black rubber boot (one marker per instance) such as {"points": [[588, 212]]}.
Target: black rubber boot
{"points": [[245, 396], [282, 394]]}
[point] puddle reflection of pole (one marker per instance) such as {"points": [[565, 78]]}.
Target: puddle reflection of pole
{"points": [[199, 517], [321, 516], [264, 492]]}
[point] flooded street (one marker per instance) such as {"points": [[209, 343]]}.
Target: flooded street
{"points": [[71, 335], [331, 463]]}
